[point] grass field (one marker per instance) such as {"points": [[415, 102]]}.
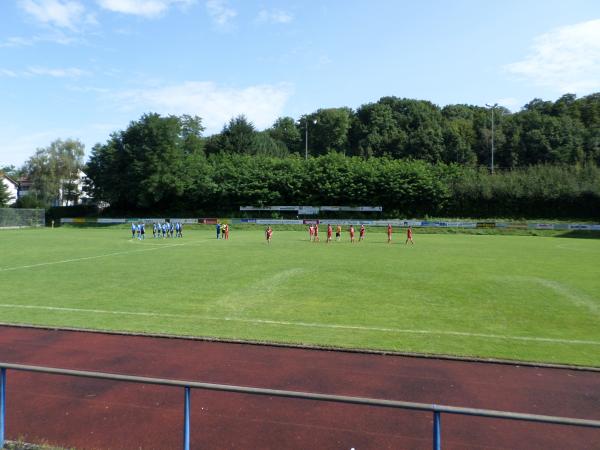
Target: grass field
{"points": [[514, 297]]}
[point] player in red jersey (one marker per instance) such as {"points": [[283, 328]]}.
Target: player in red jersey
{"points": [[311, 232], [226, 231], [389, 232], [329, 233], [268, 234], [316, 232], [409, 236], [351, 230], [361, 235]]}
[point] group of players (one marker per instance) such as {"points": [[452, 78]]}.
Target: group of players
{"points": [[222, 231], [159, 230], [170, 230], [313, 232]]}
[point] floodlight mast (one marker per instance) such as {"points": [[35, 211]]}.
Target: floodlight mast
{"points": [[306, 135], [492, 107]]}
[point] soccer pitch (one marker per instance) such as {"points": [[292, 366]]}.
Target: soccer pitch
{"points": [[512, 297]]}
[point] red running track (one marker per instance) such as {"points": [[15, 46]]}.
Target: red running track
{"points": [[96, 414]]}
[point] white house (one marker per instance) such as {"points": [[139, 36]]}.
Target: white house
{"points": [[71, 193], [12, 186], [76, 196]]}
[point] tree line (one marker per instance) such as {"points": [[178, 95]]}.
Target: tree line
{"points": [[409, 156], [158, 165], [566, 131]]}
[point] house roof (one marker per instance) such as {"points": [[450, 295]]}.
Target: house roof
{"points": [[10, 179]]}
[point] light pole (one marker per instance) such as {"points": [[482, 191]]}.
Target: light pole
{"points": [[493, 107], [306, 136]]}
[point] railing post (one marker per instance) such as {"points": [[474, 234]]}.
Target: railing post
{"points": [[437, 432], [2, 405], [186, 420]]}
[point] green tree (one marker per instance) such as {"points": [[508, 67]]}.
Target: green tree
{"points": [[422, 123], [459, 137], [191, 134], [4, 195], [54, 170], [375, 132], [401, 128], [327, 130], [237, 137], [148, 165], [285, 131], [11, 171], [263, 144]]}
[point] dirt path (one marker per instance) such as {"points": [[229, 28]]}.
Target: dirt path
{"points": [[105, 415]]}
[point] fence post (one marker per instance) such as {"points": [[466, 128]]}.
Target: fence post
{"points": [[2, 405], [186, 420], [437, 434]]}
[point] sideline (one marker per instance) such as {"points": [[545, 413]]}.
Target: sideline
{"points": [[308, 324]]}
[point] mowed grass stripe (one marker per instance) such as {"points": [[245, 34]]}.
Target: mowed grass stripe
{"points": [[482, 288], [302, 324]]}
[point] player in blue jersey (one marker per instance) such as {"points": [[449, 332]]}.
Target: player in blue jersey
{"points": [[133, 228], [143, 231], [218, 230]]}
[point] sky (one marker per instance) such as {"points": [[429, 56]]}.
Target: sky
{"points": [[83, 69]]}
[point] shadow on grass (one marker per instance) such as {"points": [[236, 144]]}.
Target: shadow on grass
{"points": [[580, 234]]}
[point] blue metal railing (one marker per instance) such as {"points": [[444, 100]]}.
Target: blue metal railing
{"points": [[188, 385]]}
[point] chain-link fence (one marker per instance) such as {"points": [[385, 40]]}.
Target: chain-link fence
{"points": [[12, 217]]}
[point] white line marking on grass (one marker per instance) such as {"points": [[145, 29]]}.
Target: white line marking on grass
{"points": [[257, 292], [308, 324], [85, 258], [577, 298], [572, 295]]}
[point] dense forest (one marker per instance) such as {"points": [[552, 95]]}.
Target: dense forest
{"points": [[565, 131], [409, 156]]}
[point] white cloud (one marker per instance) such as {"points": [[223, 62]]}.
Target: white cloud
{"points": [[145, 8], [510, 103], [56, 37], [262, 104], [59, 13], [566, 59], [220, 12], [8, 73], [274, 16], [18, 41], [69, 72], [36, 71]]}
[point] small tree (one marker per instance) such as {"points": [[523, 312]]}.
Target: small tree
{"points": [[53, 167], [5, 197]]}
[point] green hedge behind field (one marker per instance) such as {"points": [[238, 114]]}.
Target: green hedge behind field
{"points": [[218, 185]]}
